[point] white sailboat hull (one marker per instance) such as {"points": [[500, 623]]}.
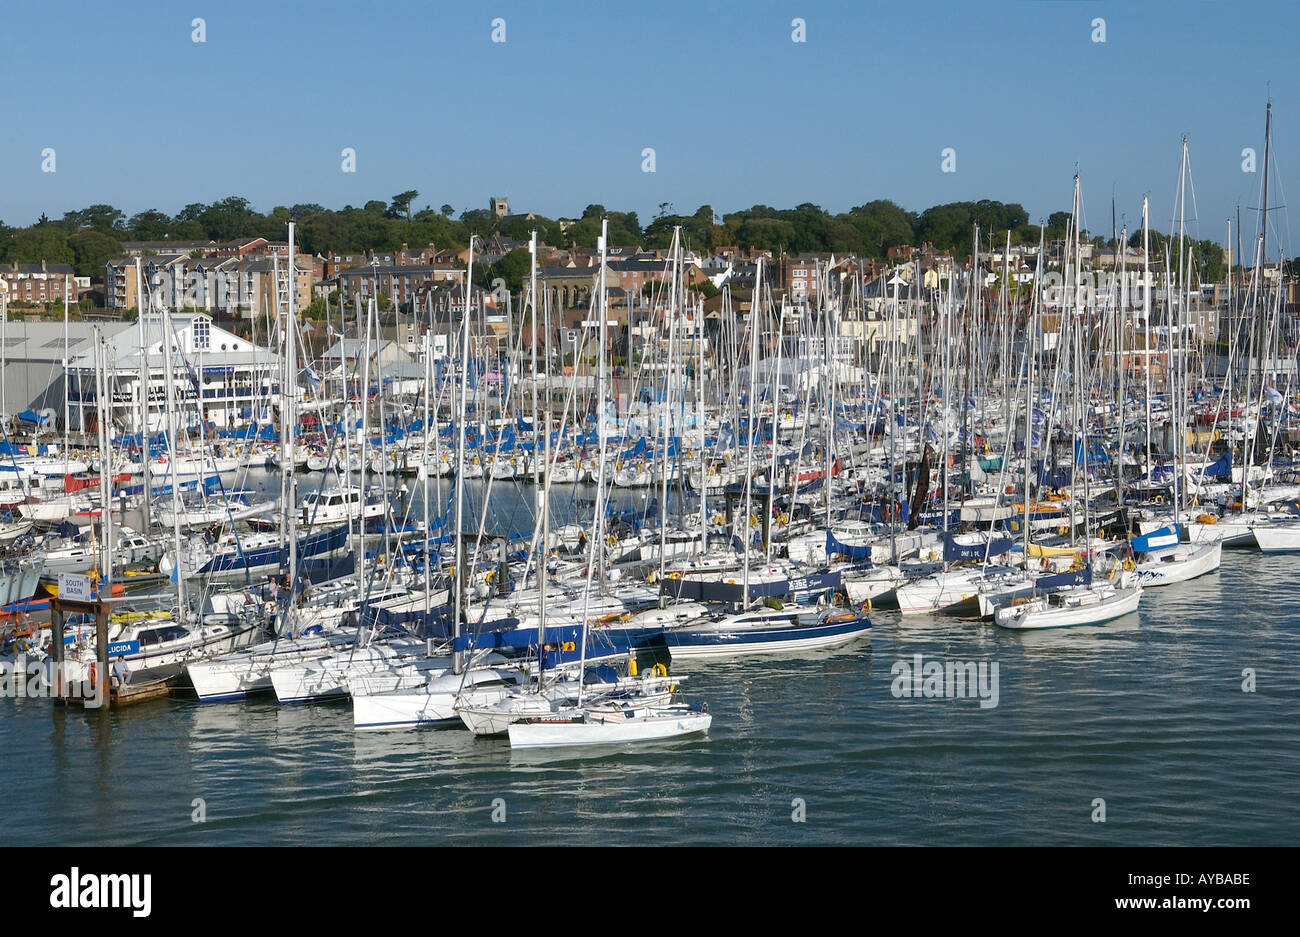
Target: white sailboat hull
{"points": [[1039, 614], [1179, 564], [596, 729], [1278, 538]]}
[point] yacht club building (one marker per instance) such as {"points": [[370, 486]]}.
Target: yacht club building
{"points": [[239, 381]]}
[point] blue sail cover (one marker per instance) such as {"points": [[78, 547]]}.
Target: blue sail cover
{"points": [[953, 551], [516, 638], [1078, 577], [278, 555], [1167, 536], [209, 483], [706, 590], [436, 622], [1221, 467], [835, 547]]}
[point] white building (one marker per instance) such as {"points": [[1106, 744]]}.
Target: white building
{"points": [[239, 381]]}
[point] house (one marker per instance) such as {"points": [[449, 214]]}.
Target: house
{"points": [[400, 282], [346, 356], [39, 283]]}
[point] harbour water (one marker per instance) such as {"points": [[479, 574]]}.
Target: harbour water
{"points": [[1147, 714]]}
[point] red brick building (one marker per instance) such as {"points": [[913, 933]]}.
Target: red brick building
{"points": [[39, 283]]}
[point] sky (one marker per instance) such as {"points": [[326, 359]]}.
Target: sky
{"points": [[560, 114]]}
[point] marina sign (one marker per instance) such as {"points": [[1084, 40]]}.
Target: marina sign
{"points": [[75, 587]]}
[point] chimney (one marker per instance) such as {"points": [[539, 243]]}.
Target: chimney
{"points": [[42, 265]]}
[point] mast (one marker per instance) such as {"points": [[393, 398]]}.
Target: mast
{"points": [[460, 459], [541, 474], [1121, 320], [699, 420], [66, 428], [363, 447], [749, 429], [145, 376], [424, 462], [598, 521], [167, 336], [1146, 326], [601, 392], [776, 417], [291, 428], [1263, 211], [665, 403]]}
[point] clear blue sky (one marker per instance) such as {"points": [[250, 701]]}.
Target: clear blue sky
{"points": [[557, 116]]}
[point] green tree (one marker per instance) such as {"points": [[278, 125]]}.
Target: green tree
{"points": [[104, 218], [91, 250], [401, 204], [513, 268], [47, 242], [149, 225], [229, 219]]}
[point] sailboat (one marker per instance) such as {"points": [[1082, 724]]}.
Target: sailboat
{"points": [[604, 720]]}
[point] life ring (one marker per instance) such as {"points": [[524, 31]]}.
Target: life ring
{"points": [[1046, 564], [568, 646], [1160, 499], [659, 670]]}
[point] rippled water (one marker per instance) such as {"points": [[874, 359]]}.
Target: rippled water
{"points": [[1147, 713]]}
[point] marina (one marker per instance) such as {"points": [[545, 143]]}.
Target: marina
{"points": [[551, 562], [662, 534]]}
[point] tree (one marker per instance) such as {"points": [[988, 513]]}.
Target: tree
{"points": [[401, 204], [230, 218], [446, 210], [513, 268], [47, 242], [91, 250], [149, 225], [104, 218]]}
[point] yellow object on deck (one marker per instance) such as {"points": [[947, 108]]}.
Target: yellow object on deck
{"points": [[1039, 550]]}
